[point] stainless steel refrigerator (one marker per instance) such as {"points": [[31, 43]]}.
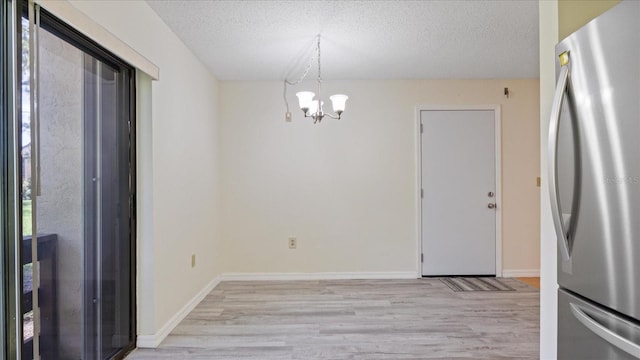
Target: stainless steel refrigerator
{"points": [[594, 185]]}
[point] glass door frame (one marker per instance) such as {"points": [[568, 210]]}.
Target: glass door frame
{"points": [[10, 220]]}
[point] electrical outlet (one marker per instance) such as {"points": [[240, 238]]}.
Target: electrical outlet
{"points": [[193, 260], [293, 243], [287, 116]]}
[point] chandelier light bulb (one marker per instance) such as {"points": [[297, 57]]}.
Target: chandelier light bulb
{"points": [[305, 98], [339, 102], [313, 107]]}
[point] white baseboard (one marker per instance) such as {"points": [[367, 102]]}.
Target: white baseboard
{"points": [[521, 273], [153, 341], [319, 276]]}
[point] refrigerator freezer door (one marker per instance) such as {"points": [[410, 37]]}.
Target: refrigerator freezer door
{"points": [[598, 161], [587, 331]]}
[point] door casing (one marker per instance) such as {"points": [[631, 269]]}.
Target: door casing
{"points": [[498, 177]]}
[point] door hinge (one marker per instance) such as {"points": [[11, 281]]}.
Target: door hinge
{"points": [[422, 257], [422, 193], [421, 128]]}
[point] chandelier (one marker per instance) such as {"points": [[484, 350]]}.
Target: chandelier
{"points": [[313, 107]]}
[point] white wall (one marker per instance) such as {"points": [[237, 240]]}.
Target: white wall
{"points": [[346, 189], [183, 175], [548, 266]]}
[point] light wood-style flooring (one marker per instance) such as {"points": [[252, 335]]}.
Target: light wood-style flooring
{"points": [[532, 281], [355, 319]]}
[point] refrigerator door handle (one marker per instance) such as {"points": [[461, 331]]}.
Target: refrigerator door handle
{"points": [[552, 159], [611, 337]]}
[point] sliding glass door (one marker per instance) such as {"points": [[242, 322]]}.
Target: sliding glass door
{"points": [[106, 197], [74, 157]]}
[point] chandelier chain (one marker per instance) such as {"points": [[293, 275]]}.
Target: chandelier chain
{"points": [[318, 47], [304, 74]]}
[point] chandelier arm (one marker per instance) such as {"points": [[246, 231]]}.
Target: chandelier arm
{"points": [[332, 116]]}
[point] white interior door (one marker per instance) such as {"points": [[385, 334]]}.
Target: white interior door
{"points": [[459, 192]]}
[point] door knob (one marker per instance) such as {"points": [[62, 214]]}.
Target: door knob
{"points": [[491, 206]]}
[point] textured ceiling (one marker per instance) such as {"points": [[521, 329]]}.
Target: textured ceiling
{"points": [[271, 40]]}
